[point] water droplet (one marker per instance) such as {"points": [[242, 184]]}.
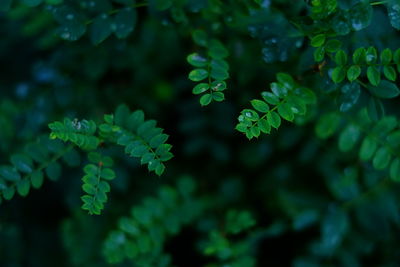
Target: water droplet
{"points": [[357, 25], [248, 114]]}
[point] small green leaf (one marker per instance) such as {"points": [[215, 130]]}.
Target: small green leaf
{"points": [[360, 15], [259, 105], [9, 173], [23, 187], [386, 56], [394, 13], [198, 75], [124, 22], [218, 96], [385, 90], [368, 148], [22, 162], [371, 55], [333, 45], [319, 54], [264, 126], [37, 179], [359, 55], [327, 125], [286, 112], [270, 98], [53, 171], [200, 88], [274, 119], [107, 174], [382, 158], [349, 137], [318, 40], [205, 99], [341, 58], [390, 73], [100, 29], [338, 74], [353, 72], [374, 75], [197, 60]]}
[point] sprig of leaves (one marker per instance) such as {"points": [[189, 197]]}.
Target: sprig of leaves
{"points": [[141, 138], [379, 142], [81, 133], [95, 184], [29, 168], [287, 99], [141, 236], [211, 67]]}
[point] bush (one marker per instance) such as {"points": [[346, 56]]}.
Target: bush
{"points": [[272, 125]]}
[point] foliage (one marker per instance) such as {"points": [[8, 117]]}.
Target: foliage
{"points": [[303, 173]]}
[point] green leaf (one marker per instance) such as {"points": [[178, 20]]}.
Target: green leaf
{"points": [[100, 29], [360, 15], [394, 13], [259, 105], [350, 94], [270, 98], [205, 99], [333, 45], [124, 22], [353, 72], [318, 40], [9, 193], [22, 162], [107, 174], [53, 171], [386, 56], [382, 158], [349, 137], [286, 80], [394, 138], [327, 125], [395, 170], [158, 140], [338, 74], [37, 179], [9, 173], [385, 90], [341, 58], [274, 119], [359, 55], [371, 55], [390, 73], [23, 187], [374, 75], [285, 111], [197, 60], [264, 126], [278, 89], [375, 109], [319, 54], [368, 148], [216, 50], [198, 75], [218, 96]]}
